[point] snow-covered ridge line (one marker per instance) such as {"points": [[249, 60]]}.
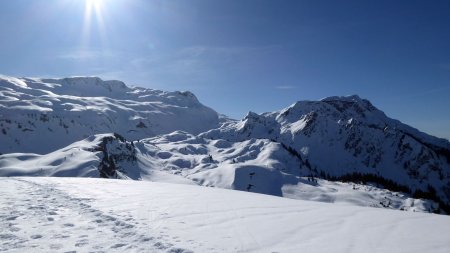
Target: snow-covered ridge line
{"points": [[340, 138], [58, 112], [170, 136], [261, 166]]}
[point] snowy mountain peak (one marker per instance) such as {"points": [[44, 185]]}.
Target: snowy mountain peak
{"points": [[337, 106], [348, 137], [88, 86], [59, 112], [188, 94], [252, 116], [350, 103], [172, 136], [349, 98], [253, 119]]}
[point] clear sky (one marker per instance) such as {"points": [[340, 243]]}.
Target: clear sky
{"points": [[241, 55]]}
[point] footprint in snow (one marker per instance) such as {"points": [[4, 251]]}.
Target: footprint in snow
{"points": [[160, 245], [146, 239], [61, 236], [56, 246], [109, 218], [123, 224], [118, 245], [13, 229], [36, 208], [179, 250], [8, 237], [81, 243]]}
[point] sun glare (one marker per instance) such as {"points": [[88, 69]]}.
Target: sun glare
{"points": [[93, 9], [96, 4]]}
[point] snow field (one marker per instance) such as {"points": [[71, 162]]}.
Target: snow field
{"points": [[85, 215]]}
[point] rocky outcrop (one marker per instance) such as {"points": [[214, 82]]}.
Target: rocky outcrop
{"points": [[115, 151]]}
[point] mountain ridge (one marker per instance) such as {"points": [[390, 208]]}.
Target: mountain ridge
{"points": [[339, 138], [35, 110]]}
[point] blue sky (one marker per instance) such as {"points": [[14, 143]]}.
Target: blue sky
{"points": [[245, 55]]}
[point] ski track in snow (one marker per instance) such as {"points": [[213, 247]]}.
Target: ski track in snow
{"points": [[61, 223]]}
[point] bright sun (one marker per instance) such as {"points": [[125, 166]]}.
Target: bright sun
{"points": [[94, 4], [93, 10]]}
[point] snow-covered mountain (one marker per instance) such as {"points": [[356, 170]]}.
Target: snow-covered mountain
{"points": [[42, 115], [347, 138], [339, 149], [255, 165]]}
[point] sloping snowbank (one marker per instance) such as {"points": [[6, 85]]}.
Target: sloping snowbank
{"points": [[63, 214]]}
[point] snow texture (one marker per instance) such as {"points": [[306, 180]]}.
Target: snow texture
{"points": [[256, 165], [42, 115], [63, 127], [95, 215]]}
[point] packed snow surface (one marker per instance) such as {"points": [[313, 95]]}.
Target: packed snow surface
{"points": [[98, 215]]}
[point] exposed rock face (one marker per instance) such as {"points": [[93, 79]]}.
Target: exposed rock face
{"points": [[116, 152]]}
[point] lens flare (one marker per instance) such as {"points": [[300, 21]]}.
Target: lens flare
{"points": [[94, 2], [93, 8]]}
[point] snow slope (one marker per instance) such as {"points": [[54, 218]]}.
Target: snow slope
{"points": [[348, 137], [171, 137], [256, 165], [42, 115], [91, 215]]}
